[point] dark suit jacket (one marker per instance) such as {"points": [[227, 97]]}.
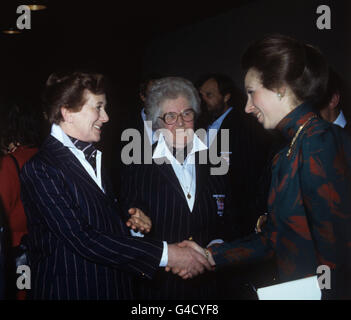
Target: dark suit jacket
{"points": [[155, 188], [249, 147], [348, 127], [134, 122], [79, 245]]}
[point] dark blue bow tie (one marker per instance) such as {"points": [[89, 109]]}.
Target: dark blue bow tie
{"points": [[88, 149]]}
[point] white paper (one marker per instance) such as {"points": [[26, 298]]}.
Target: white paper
{"points": [[302, 289]]}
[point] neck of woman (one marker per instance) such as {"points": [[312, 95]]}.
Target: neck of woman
{"points": [[181, 153]]}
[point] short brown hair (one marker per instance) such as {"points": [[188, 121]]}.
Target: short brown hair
{"points": [[68, 89], [282, 60]]}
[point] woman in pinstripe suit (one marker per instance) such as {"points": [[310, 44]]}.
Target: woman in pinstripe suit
{"points": [[79, 245], [176, 190]]}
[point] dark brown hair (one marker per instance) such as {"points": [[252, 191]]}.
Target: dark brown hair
{"points": [[20, 123], [282, 60], [68, 89], [335, 85], [226, 85]]}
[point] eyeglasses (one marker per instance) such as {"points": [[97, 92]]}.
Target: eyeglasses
{"points": [[172, 117]]}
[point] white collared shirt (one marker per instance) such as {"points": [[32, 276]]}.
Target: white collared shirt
{"points": [[186, 172], [340, 120], [60, 135]]}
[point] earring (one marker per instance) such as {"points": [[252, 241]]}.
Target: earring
{"points": [[279, 96]]}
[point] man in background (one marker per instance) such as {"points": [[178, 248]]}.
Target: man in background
{"points": [[223, 105], [335, 102]]}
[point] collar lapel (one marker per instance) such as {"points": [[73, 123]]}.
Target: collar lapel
{"points": [[168, 172], [68, 161]]}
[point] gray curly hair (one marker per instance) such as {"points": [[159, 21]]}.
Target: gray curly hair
{"points": [[169, 88]]}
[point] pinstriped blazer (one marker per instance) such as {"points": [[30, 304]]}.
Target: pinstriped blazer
{"points": [[156, 189], [79, 246]]}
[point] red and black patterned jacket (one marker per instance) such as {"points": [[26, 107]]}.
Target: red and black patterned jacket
{"points": [[309, 204]]}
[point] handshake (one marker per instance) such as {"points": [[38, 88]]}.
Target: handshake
{"points": [[187, 259]]}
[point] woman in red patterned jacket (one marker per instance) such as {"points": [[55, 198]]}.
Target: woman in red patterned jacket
{"points": [[19, 128], [309, 204]]}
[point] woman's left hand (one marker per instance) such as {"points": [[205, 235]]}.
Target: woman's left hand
{"points": [[139, 221]]}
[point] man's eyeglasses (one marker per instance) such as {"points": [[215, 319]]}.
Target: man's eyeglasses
{"points": [[172, 117]]}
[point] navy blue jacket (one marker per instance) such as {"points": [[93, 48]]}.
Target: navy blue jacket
{"points": [[79, 246]]}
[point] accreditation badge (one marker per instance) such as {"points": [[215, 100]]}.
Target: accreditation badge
{"points": [[220, 203]]}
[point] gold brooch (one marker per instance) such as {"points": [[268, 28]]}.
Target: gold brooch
{"points": [[297, 134]]}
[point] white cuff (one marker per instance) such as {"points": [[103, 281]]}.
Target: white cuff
{"points": [[215, 241], [136, 234], [164, 258]]}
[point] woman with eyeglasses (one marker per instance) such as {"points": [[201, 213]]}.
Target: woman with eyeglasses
{"points": [[176, 188]]}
